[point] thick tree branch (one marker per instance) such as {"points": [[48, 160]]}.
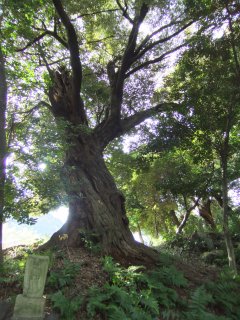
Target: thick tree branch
{"points": [[162, 40], [132, 121], [75, 61], [30, 43], [117, 79], [124, 11], [150, 36], [72, 44], [41, 36], [153, 61], [42, 55], [132, 40], [94, 13], [110, 129], [59, 39]]}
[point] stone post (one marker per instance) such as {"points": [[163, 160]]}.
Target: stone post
{"points": [[30, 304]]}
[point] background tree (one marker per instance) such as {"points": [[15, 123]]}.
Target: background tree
{"points": [[26, 190], [207, 82], [162, 188]]}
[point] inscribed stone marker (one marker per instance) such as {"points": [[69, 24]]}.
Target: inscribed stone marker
{"points": [[35, 276], [30, 304]]}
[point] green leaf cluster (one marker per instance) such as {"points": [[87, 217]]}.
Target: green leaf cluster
{"points": [[67, 306], [63, 276], [133, 294]]}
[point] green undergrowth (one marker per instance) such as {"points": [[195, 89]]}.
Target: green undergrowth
{"points": [[134, 292], [207, 247], [163, 293], [12, 270], [66, 306], [64, 276]]}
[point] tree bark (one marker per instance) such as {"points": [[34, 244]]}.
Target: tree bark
{"points": [[206, 213], [3, 105], [96, 206], [183, 222], [231, 212]]}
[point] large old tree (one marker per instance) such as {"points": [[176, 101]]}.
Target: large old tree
{"points": [[102, 60]]}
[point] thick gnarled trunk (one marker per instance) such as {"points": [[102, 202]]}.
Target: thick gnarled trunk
{"points": [[96, 206]]}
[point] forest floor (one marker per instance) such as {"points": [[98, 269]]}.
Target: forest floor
{"points": [[74, 271]]}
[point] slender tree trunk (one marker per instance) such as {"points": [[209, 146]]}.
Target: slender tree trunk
{"points": [[96, 206], [183, 222], [231, 214], [156, 225], [227, 235], [186, 215], [3, 105]]}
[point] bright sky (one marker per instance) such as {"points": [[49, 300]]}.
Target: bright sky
{"points": [[15, 234]]}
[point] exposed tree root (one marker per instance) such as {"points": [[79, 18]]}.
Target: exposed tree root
{"points": [[126, 253]]}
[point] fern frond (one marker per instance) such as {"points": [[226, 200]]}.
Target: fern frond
{"points": [[171, 276], [200, 299], [226, 295], [95, 306], [116, 313], [119, 295], [140, 314], [170, 314], [149, 303]]}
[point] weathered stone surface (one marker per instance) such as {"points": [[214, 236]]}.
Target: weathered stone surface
{"points": [[35, 276], [30, 304], [6, 310], [28, 308]]}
